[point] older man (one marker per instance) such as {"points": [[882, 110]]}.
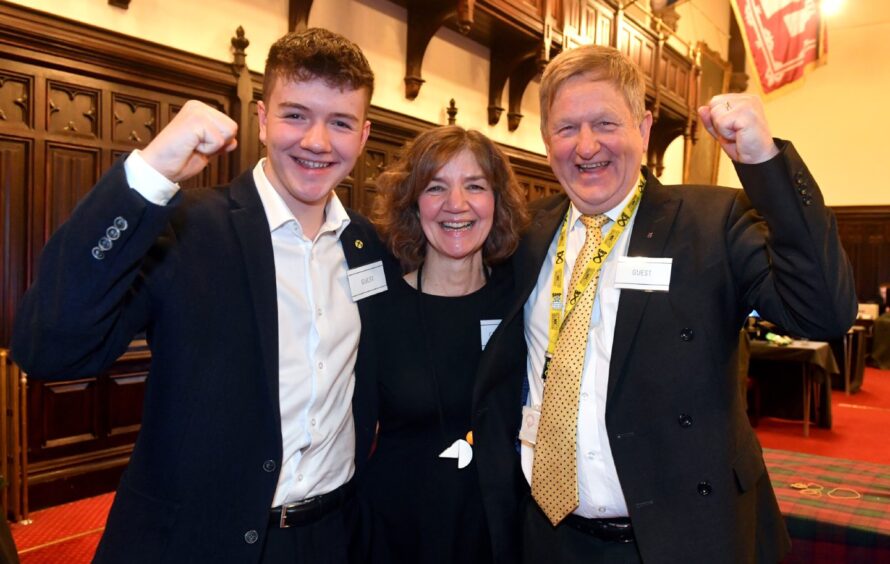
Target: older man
{"points": [[634, 439]]}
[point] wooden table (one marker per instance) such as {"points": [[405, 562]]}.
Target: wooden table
{"points": [[813, 361]]}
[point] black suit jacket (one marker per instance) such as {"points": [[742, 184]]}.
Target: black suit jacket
{"points": [[689, 464], [198, 277]]}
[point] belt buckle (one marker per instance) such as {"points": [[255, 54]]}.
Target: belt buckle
{"points": [[282, 521]]}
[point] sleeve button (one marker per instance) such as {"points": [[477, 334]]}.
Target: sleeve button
{"points": [[120, 223], [98, 254]]}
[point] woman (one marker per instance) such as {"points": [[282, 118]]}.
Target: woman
{"points": [[444, 481]]}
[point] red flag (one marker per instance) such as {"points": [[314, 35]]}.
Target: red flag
{"points": [[785, 38]]}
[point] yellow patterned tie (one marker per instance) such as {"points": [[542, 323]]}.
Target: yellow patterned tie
{"points": [[555, 468]]}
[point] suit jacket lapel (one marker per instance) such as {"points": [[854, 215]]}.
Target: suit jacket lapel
{"points": [[252, 229], [652, 227], [531, 253]]}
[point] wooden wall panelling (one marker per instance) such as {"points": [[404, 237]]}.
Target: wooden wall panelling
{"points": [[72, 99], [865, 234]]}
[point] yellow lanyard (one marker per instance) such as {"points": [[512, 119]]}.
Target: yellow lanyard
{"points": [[559, 312]]}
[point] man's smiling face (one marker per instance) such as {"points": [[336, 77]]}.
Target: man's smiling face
{"points": [[594, 145], [313, 133]]}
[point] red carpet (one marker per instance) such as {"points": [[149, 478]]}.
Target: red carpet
{"points": [[860, 426], [66, 534]]}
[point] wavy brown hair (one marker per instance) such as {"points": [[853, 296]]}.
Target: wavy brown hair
{"points": [[397, 216]]}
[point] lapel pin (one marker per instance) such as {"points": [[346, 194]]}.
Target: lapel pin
{"points": [[359, 244], [650, 235]]}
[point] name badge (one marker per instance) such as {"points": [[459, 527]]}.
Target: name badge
{"points": [[486, 328], [366, 280], [528, 432], [643, 273]]}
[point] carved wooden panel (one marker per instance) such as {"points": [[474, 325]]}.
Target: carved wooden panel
{"points": [[639, 47], [15, 178], [134, 121], [675, 75], [598, 20], [70, 173], [67, 413], [124, 392], [16, 95], [72, 109]]}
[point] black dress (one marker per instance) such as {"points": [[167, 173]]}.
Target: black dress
{"points": [[423, 508]]}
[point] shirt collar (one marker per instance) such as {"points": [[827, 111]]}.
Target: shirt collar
{"points": [[613, 214], [278, 214]]}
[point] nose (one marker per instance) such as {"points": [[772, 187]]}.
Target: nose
{"points": [[316, 138], [588, 143], [456, 200]]}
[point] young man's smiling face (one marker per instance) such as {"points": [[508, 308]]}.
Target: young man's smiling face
{"points": [[594, 144], [313, 133]]}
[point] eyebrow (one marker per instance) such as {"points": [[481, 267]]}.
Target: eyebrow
{"points": [[474, 178], [298, 106]]}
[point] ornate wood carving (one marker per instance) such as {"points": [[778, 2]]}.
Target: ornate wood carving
{"points": [[15, 99], [134, 121], [72, 110]]}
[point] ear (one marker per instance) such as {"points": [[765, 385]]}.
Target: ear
{"points": [[645, 128], [366, 131], [263, 117]]}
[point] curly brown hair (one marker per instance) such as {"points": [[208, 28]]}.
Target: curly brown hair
{"points": [[396, 213], [318, 53]]}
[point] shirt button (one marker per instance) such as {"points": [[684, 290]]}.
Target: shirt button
{"points": [[299, 477], [320, 365], [269, 466], [251, 536], [584, 395], [601, 509], [312, 421], [591, 455], [318, 312]]}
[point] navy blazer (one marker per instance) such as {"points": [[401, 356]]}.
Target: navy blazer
{"points": [[690, 466], [198, 277]]}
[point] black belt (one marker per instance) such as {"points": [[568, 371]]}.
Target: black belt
{"points": [[612, 529], [312, 509]]}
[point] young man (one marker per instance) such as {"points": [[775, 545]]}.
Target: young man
{"points": [[634, 440], [247, 442]]}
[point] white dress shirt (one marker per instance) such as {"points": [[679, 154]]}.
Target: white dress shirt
{"points": [[598, 487], [318, 334]]}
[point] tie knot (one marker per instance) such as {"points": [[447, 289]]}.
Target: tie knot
{"points": [[594, 221]]}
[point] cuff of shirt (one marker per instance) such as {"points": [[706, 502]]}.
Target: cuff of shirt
{"points": [[151, 184]]}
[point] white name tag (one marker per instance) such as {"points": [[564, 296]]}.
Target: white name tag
{"points": [[643, 273], [366, 280], [486, 328], [528, 432]]}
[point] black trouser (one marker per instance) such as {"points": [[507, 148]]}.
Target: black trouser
{"points": [[543, 543], [332, 539]]}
